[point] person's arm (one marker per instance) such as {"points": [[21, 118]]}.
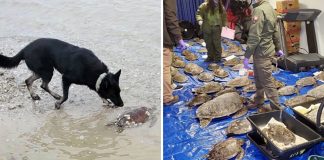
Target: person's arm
{"points": [[276, 38], [254, 32], [200, 12], [171, 19]]}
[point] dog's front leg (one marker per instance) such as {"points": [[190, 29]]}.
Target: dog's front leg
{"points": [[66, 85]]}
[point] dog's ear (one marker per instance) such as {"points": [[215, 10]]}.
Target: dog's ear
{"points": [[117, 75]]}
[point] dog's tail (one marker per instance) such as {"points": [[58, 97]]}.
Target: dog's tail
{"points": [[11, 62]]}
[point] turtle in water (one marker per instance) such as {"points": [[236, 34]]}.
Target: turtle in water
{"points": [[227, 149], [191, 57], [238, 127], [199, 99], [249, 88], [232, 62], [317, 92], [210, 87], [206, 77], [213, 66], [307, 81], [220, 73], [237, 67], [239, 82], [298, 100], [279, 133], [320, 76], [278, 84], [287, 90], [221, 106], [193, 69], [180, 78], [178, 63], [133, 118]]}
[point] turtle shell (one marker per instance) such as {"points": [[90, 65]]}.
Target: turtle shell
{"points": [[206, 77], [237, 67], [287, 90], [220, 73], [193, 69], [239, 82], [227, 149], [307, 81], [180, 78], [213, 66], [232, 62], [210, 87], [178, 63]]}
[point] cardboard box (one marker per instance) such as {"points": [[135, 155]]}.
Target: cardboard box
{"points": [[294, 26], [292, 4], [282, 6]]}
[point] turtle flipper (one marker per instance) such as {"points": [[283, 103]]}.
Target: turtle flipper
{"points": [[120, 129], [204, 122]]}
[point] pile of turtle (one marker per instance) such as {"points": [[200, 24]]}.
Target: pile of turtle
{"points": [[216, 97]]}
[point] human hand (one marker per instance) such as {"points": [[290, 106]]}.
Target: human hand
{"points": [[246, 63], [182, 45], [280, 53]]}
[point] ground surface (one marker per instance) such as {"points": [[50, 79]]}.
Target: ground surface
{"points": [[123, 34]]}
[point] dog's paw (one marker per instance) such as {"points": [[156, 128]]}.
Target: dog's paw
{"points": [[57, 105], [35, 97]]}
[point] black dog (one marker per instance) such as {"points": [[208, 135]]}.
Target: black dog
{"points": [[77, 65]]}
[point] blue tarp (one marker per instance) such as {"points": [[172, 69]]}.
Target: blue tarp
{"points": [[183, 137]]}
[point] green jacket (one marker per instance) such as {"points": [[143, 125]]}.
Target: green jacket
{"points": [[263, 34], [204, 15]]}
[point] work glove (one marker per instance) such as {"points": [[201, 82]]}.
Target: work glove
{"points": [[200, 23], [280, 53], [182, 45], [246, 63]]}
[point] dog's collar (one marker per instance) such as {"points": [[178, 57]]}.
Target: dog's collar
{"points": [[99, 80]]}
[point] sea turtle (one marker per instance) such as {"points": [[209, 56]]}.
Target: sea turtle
{"points": [[226, 90], [227, 149], [178, 63], [186, 52], [173, 71], [134, 117], [202, 50], [249, 88], [221, 106], [298, 100], [213, 66], [233, 48], [317, 92], [206, 77], [320, 76], [225, 54], [279, 133], [287, 90], [220, 73], [210, 87], [239, 82], [278, 84], [193, 69], [199, 99], [238, 127], [307, 81], [180, 78], [191, 57], [232, 62], [237, 67]]}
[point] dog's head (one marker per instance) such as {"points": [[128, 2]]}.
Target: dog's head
{"points": [[109, 88]]}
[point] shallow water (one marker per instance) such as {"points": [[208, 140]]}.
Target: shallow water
{"points": [[124, 35]]}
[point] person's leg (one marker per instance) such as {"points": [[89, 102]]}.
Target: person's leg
{"points": [[269, 86], [167, 90], [209, 45], [259, 94], [218, 44]]}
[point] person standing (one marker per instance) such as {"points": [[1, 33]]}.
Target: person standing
{"points": [[211, 16], [262, 43], [171, 36]]}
